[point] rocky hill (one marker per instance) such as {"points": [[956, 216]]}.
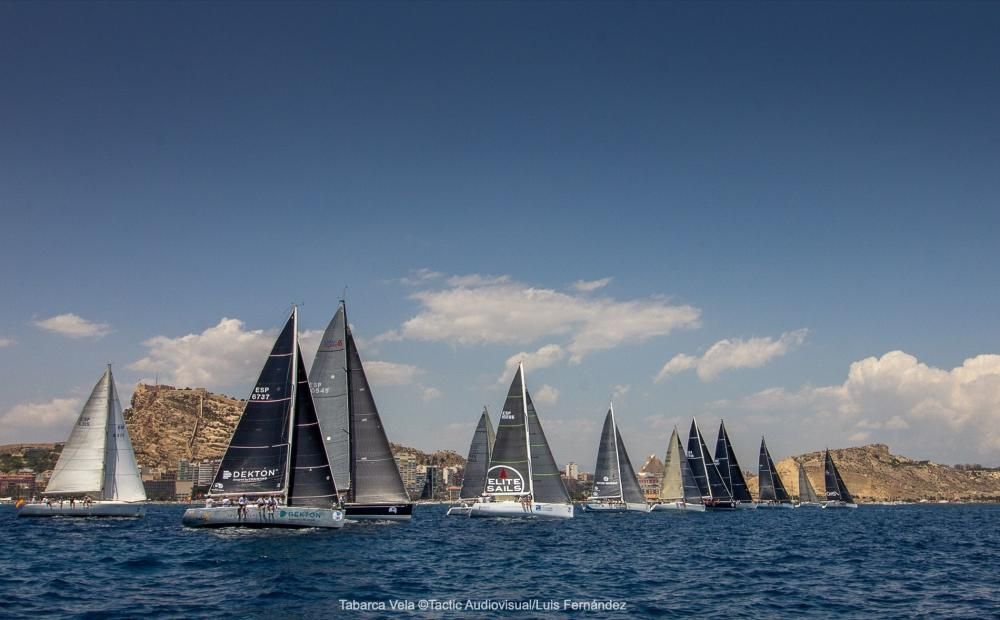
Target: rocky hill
{"points": [[442, 458], [872, 473]]}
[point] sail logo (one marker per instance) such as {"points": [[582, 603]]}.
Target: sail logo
{"points": [[333, 344], [504, 480], [253, 475]]}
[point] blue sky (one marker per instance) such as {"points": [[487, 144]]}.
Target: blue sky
{"points": [[772, 168]]}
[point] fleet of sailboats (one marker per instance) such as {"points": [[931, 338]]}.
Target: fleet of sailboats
{"points": [[678, 490], [96, 474], [616, 485], [714, 492]]}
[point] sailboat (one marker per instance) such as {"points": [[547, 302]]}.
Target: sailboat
{"points": [[276, 451], [474, 479], [837, 495], [772, 493], [807, 494], [96, 474], [714, 492], [522, 479], [355, 439], [732, 475], [616, 487], [679, 489]]}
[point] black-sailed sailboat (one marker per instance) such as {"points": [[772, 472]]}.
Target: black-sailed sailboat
{"points": [[474, 478], [714, 492], [837, 495], [679, 489], [771, 493], [807, 493], [729, 468], [276, 452], [522, 479], [616, 486], [355, 440]]}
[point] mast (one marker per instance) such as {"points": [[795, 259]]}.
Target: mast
{"points": [[110, 427], [618, 461], [527, 434], [294, 394], [351, 439]]}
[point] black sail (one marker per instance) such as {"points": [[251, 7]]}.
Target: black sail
{"points": [[508, 473], [375, 475], [692, 494], [835, 487], [706, 472], [771, 487], [630, 481], [607, 480], [480, 450], [806, 491], [256, 458], [729, 467], [546, 482], [311, 480]]}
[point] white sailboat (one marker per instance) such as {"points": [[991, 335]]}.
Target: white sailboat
{"points": [[616, 487], [96, 474], [276, 452], [522, 480], [679, 489]]}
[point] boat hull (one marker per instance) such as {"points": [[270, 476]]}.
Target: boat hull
{"points": [[679, 506], [283, 516], [746, 506], [124, 510], [719, 505], [839, 505], [462, 510], [607, 507], [808, 505], [775, 506], [516, 510], [379, 512]]}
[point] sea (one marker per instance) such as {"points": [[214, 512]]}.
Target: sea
{"points": [[940, 561]]}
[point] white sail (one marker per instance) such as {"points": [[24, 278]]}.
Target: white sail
{"points": [[80, 469], [122, 481]]}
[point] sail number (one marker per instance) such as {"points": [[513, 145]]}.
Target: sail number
{"points": [[506, 415], [261, 393], [84, 422], [316, 387]]}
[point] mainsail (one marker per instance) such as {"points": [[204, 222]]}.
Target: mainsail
{"points": [[836, 490], [771, 487], [729, 467], [480, 450], [328, 383], [311, 482], [807, 493], [706, 473], [614, 477], [98, 458], [678, 483], [256, 460]]}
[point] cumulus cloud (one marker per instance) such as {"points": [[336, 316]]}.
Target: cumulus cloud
{"points": [[952, 415], [476, 309], [420, 276], [542, 358], [73, 326], [619, 391], [731, 354], [586, 286], [39, 422], [430, 393], [546, 395], [7, 342], [391, 373]]}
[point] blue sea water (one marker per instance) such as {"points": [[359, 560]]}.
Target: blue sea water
{"points": [[900, 561]]}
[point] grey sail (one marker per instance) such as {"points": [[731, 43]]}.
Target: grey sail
{"points": [[256, 459], [836, 490], [679, 483], [122, 480], [729, 467], [607, 481], [480, 450], [806, 491], [547, 484], [509, 473], [771, 487], [328, 383], [706, 473], [630, 481], [374, 474], [310, 482]]}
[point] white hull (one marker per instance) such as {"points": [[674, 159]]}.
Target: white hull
{"points": [[808, 505], [775, 506], [283, 516], [459, 511], [677, 506], [746, 506], [839, 505], [608, 507], [515, 510], [134, 510]]}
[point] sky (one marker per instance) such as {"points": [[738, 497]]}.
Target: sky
{"points": [[784, 215]]}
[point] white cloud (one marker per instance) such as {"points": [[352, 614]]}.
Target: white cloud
{"points": [[952, 415], [73, 326], [730, 354], [542, 358], [430, 393], [420, 276], [221, 356], [619, 391], [547, 395], [7, 342], [390, 373], [477, 309], [39, 422], [586, 286]]}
